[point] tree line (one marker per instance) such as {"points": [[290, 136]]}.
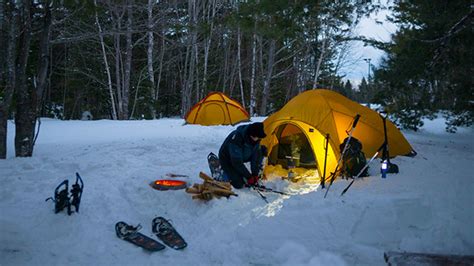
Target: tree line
{"points": [[428, 63], [137, 59]]}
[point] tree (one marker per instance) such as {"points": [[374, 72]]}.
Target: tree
{"points": [[428, 65], [9, 21]]}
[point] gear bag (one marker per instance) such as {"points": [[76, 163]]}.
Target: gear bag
{"points": [[354, 159]]}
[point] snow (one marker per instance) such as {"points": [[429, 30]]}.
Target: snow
{"points": [[427, 207]]}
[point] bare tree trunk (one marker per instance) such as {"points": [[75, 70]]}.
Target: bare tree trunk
{"points": [[107, 68], [232, 77], [226, 65], [9, 21], [43, 65], [118, 66], [239, 42], [25, 118], [160, 70], [196, 59], [128, 60], [268, 78], [135, 99], [320, 60], [253, 94], [184, 83], [191, 58], [211, 11], [151, 74]]}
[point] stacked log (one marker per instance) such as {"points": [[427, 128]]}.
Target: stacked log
{"points": [[210, 189]]}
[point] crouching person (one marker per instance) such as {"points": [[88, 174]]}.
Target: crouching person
{"points": [[241, 146]]}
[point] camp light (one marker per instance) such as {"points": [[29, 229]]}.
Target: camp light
{"points": [[384, 168]]}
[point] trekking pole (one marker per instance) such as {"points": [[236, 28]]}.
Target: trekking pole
{"points": [[361, 171], [258, 191], [346, 145], [391, 168], [323, 180], [266, 189], [385, 155]]}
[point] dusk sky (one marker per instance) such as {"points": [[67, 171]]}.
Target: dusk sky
{"points": [[370, 28]]}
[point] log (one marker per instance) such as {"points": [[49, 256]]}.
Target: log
{"points": [[192, 190], [205, 177], [210, 188], [221, 191], [218, 184], [417, 259], [203, 196], [198, 196]]}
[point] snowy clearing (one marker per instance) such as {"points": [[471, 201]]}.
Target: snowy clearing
{"points": [[427, 207]]}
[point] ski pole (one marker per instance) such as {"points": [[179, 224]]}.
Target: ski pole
{"points": [[266, 189], [346, 145], [259, 193], [323, 180]]}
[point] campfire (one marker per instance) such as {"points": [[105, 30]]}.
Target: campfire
{"points": [[166, 184]]}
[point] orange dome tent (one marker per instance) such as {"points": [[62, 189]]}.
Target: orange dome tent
{"points": [[306, 119], [217, 109]]}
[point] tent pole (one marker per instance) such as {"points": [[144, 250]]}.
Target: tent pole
{"points": [[323, 179]]}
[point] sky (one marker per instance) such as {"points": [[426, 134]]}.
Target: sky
{"points": [[377, 27]]}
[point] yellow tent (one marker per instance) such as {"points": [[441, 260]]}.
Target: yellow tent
{"points": [[217, 109], [306, 119]]}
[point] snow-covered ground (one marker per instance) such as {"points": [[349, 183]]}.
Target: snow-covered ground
{"points": [[427, 207]]}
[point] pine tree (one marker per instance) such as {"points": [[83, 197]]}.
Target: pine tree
{"points": [[428, 66]]}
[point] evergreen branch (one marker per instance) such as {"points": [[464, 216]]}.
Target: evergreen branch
{"points": [[461, 24]]}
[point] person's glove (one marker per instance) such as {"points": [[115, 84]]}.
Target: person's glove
{"points": [[252, 181]]}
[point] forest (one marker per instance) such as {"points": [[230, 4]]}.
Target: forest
{"points": [[132, 59]]}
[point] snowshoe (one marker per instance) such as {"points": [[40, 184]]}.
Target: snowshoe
{"points": [[215, 167], [61, 198], [76, 192], [167, 233], [130, 233]]}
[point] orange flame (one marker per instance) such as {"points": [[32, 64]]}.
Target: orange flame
{"points": [[170, 183]]}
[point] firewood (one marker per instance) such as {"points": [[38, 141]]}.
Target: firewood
{"points": [[204, 176], [210, 189], [198, 196], [203, 196], [224, 192], [223, 185], [192, 190]]}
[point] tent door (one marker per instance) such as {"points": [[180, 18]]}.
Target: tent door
{"points": [[292, 142]]}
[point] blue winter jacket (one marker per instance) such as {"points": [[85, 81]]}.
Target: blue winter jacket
{"points": [[237, 149]]}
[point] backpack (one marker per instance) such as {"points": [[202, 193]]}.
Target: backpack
{"points": [[354, 158]]}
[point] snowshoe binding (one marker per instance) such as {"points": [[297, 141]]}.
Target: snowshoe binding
{"points": [[215, 166], [76, 192], [163, 229], [130, 233], [62, 200]]}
